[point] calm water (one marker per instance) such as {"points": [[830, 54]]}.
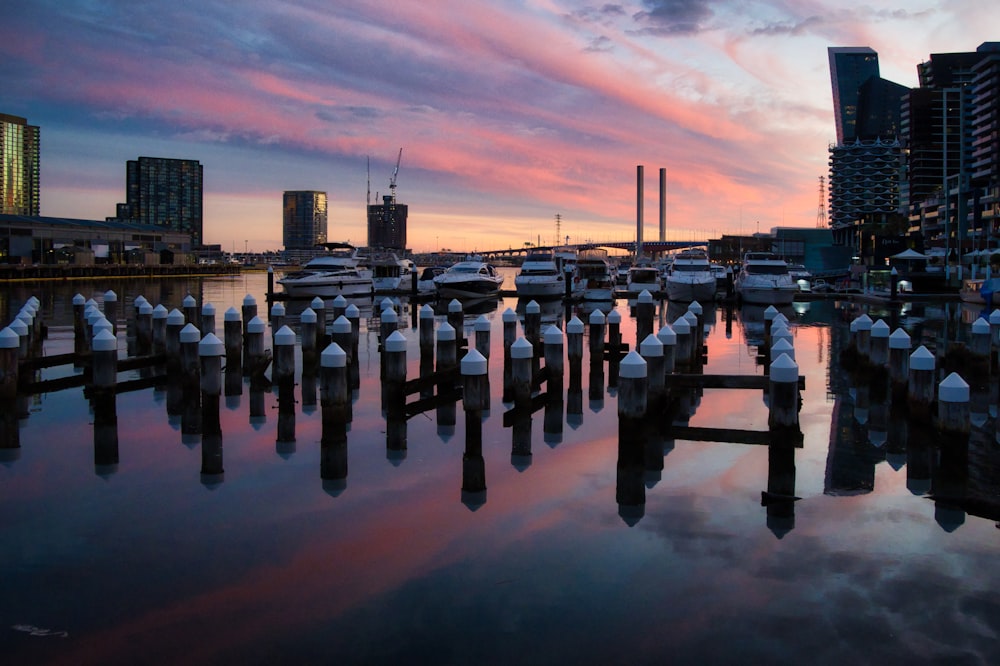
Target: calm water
{"points": [[147, 561]]}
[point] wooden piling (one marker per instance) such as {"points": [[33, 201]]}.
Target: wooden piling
{"points": [[921, 390], [79, 325], [456, 319], [979, 345], [10, 343], [334, 391], [21, 330], [144, 328], [233, 336], [879, 343], [255, 353], [207, 322], [310, 340], [553, 351], [953, 413], [339, 308], [447, 352], [111, 309], [104, 352], [533, 325], [175, 322], [651, 350], [509, 318], [770, 312], [318, 305], [574, 340], [614, 335], [682, 350], [476, 387], [426, 331], [189, 306], [863, 335], [633, 387], [249, 311], [160, 315], [899, 364], [188, 339], [482, 332], [783, 394], [521, 354], [277, 317], [210, 353], [284, 355], [645, 309], [668, 338], [597, 322]]}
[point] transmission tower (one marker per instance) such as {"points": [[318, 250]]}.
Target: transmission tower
{"points": [[558, 227], [821, 208]]}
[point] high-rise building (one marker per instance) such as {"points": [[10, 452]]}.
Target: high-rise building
{"points": [[164, 192], [304, 220], [850, 68], [387, 224], [19, 162]]}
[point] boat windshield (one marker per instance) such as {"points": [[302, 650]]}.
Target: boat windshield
{"points": [[690, 268], [767, 269]]}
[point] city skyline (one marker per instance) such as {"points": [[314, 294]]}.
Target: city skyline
{"points": [[507, 114]]}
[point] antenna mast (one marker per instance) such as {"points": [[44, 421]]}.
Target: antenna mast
{"points": [[558, 227], [368, 162]]}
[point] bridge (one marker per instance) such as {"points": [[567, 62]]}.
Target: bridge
{"points": [[648, 247]]}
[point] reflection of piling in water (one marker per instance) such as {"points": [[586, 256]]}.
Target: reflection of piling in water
{"points": [[475, 400], [630, 492], [920, 396], [104, 403], [210, 353]]}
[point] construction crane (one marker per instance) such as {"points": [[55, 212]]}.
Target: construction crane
{"points": [[392, 181]]}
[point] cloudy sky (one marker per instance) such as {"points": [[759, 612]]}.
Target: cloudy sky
{"points": [[508, 113]]}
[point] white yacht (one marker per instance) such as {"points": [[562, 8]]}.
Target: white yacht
{"points": [[595, 273], [540, 277], [723, 276], [691, 278], [764, 279], [425, 282], [337, 273], [472, 278], [642, 278], [389, 272]]}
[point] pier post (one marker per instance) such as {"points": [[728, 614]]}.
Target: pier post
{"points": [[630, 491], [509, 318], [783, 346], [342, 337], [353, 315], [188, 339], [697, 327], [979, 346], [482, 333], [249, 311], [879, 349], [783, 397], [574, 354], [920, 393], [863, 335], [388, 323], [21, 329], [614, 335], [456, 319], [682, 329], [668, 338], [10, 344], [953, 413], [334, 391], [189, 306], [210, 352], [395, 399], [553, 351], [318, 305], [284, 355], [644, 312], [697, 338], [651, 350], [175, 322], [994, 337], [310, 337], [597, 322], [79, 325], [474, 402], [426, 331], [111, 309], [447, 356], [277, 319], [160, 315], [476, 384], [770, 312], [574, 340], [207, 319], [533, 325], [254, 345], [339, 308], [521, 354], [105, 360], [779, 331], [899, 364], [233, 336]]}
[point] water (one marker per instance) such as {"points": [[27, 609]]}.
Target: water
{"points": [[149, 562]]}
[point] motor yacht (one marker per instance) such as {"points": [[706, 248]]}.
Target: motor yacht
{"points": [[595, 273], [691, 278], [764, 279], [540, 277], [337, 273], [471, 278]]}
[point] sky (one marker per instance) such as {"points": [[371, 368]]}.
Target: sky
{"points": [[508, 113]]}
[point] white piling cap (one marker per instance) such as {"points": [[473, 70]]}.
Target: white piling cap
{"points": [[899, 339], [190, 333], [692, 318], [340, 301], [780, 317], [770, 312], [553, 335], [651, 346], [396, 342], [189, 301], [104, 341], [953, 389], [426, 311], [208, 309], [880, 329], [9, 339], [446, 331], [318, 304], [285, 337], [574, 325], [210, 345], [19, 327], [249, 300], [784, 370], [474, 364], [232, 314], [91, 301], [34, 301], [455, 305], [521, 349], [782, 334], [387, 304], [79, 299], [30, 309], [922, 359], [110, 296], [995, 317], [509, 316], [27, 317], [482, 324], [864, 323], [633, 366], [308, 316], [91, 315], [597, 317], [139, 300], [160, 312], [146, 309], [342, 325], [277, 310], [783, 346], [175, 318], [352, 311], [645, 296], [854, 325], [333, 356], [532, 307], [614, 317], [696, 308], [980, 327], [667, 335], [256, 325], [682, 326], [103, 324], [389, 315]]}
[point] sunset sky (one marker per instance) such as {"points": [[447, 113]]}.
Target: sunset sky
{"points": [[508, 113]]}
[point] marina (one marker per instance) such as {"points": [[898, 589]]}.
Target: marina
{"points": [[442, 511]]}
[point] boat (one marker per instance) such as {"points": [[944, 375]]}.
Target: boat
{"points": [[642, 278], [764, 279], [595, 273], [389, 272], [470, 278], [336, 273], [691, 278], [981, 291], [566, 258], [540, 277], [723, 278], [801, 276]]}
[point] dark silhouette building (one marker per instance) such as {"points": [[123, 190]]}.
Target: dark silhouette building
{"points": [[19, 162], [164, 192], [387, 224], [304, 222]]}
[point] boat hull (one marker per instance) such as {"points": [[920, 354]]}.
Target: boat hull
{"points": [[329, 290], [767, 295], [468, 289], [537, 288], [686, 291]]}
